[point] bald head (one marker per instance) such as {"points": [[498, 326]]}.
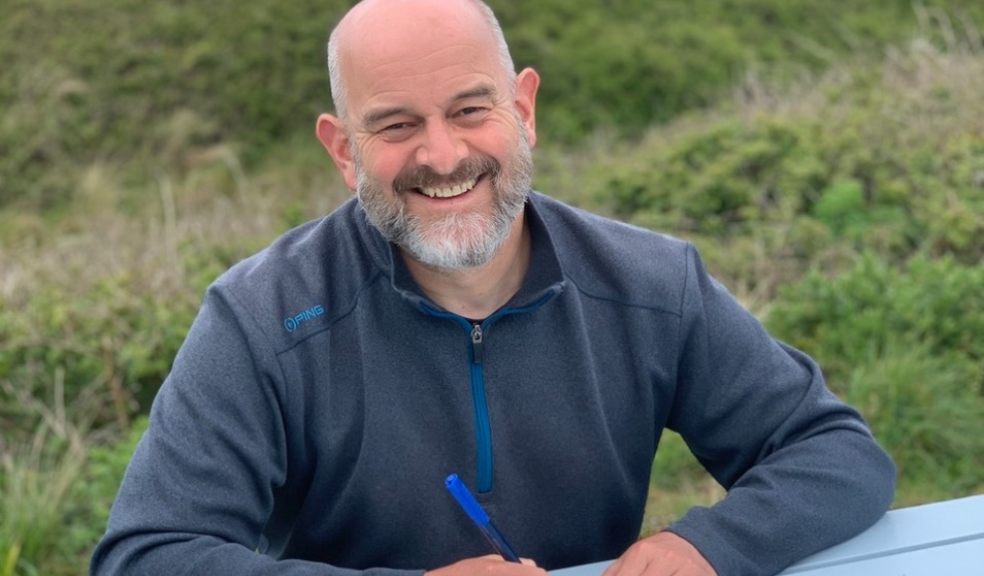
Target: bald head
{"points": [[373, 26]]}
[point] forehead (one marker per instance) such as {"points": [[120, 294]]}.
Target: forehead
{"points": [[417, 50]]}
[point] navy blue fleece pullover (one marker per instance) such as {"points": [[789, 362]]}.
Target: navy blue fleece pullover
{"points": [[320, 400]]}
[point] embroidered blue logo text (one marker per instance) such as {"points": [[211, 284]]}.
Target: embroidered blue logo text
{"points": [[294, 322]]}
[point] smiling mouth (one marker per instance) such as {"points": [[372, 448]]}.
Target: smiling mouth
{"points": [[449, 191]]}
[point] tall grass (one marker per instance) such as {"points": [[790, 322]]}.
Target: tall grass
{"points": [[36, 480], [56, 488]]}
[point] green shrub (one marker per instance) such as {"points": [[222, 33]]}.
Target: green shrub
{"points": [[114, 337], [852, 163], [841, 205], [904, 345], [675, 465], [854, 318], [924, 409]]}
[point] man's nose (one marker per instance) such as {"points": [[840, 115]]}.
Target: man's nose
{"points": [[441, 149]]}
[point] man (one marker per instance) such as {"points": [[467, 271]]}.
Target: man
{"points": [[450, 320]]}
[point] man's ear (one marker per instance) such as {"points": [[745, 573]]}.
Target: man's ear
{"points": [[331, 132], [527, 83]]}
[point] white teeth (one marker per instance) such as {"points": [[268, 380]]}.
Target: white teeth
{"points": [[452, 191]]}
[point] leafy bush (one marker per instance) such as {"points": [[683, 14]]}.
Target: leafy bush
{"points": [[861, 315], [113, 338], [926, 412], [851, 163]]}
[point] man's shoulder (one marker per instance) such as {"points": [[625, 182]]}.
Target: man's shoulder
{"points": [[304, 278], [611, 259], [605, 229]]}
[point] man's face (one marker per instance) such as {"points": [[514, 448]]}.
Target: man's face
{"points": [[450, 239], [439, 140]]}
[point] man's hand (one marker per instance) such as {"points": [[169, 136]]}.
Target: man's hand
{"points": [[664, 554], [492, 565]]}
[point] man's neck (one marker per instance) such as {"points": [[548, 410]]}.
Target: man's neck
{"points": [[480, 291]]}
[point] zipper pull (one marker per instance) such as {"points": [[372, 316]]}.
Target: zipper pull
{"points": [[476, 338]]}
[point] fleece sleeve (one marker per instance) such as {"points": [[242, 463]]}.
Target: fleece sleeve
{"points": [[801, 467], [202, 483]]}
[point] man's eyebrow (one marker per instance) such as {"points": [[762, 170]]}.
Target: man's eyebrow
{"points": [[376, 116], [482, 91]]}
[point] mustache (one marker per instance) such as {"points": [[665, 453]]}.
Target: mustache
{"points": [[426, 177]]}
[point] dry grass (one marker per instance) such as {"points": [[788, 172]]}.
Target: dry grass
{"points": [[147, 231]]}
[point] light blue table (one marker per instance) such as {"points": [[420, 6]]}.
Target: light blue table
{"points": [[941, 539]]}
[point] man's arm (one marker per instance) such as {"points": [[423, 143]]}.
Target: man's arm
{"points": [[801, 468], [200, 487]]}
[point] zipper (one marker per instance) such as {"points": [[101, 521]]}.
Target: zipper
{"points": [[483, 425]]}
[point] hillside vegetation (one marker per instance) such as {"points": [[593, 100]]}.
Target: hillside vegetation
{"points": [[151, 87], [826, 158]]}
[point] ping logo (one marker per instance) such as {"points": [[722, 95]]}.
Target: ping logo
{"points": [[294, 322]]}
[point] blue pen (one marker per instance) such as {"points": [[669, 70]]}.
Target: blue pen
{"points": [[481, 519]]}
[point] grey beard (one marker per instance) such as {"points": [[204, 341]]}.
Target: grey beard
{"points": [[458, 240]]}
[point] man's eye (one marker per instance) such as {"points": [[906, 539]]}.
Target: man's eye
{"points": [[397, 127], [470, 110]]}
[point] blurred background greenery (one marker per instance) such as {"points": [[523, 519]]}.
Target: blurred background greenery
{"points": [[826, 157]]}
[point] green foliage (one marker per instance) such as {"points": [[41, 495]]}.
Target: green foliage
{"points": [[114, 336], [861, 315], [629, 63], [32, 512], [841, 206], [155, 87], [87, 511], [852, 163], [903, 346], [36, 479], [674, 465], [153, 84], [55, 503], [925, 410]]}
